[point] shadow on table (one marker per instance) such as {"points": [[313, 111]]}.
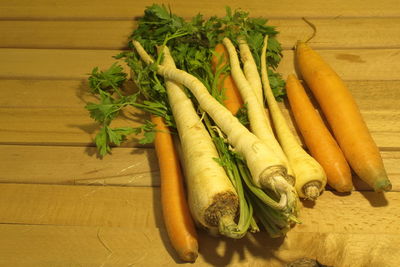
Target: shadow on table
{"points": [[376, 199], [219, 251]]}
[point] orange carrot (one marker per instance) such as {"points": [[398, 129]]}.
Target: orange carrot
{"points": [[344, 117], [177, 218], [318, 139], [233, 100]]}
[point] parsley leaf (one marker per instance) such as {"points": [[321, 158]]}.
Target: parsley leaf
{"points": [[109, 80], [242, 115]]}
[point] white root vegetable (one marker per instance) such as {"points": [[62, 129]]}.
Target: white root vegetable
{"points": [[212, 198], [259, 122], [268, 171], [310, 176], [250, 69]]}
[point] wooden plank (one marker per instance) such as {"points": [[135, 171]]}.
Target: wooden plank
{"points": [[125, 167], [59, 126], [80, 205], [73, 94], [369, 94], [65, 126], [123, 9], [66, 34], [340, 32], [83, 34], [53, 63], [54, 113], [359, 212], [39, 245], [78, 165], [360, 64]]}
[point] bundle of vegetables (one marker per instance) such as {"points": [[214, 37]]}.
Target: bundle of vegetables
{"points": [[237, 175]]}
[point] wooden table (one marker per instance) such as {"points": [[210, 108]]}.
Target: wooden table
{"points": [[62, 206]]}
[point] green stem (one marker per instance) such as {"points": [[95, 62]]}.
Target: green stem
{"points": [[258, 191], [245, 208]]}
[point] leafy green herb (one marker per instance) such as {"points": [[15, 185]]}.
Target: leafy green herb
{"points": [[108, 136], [242, 115], [277, 85], [148, 130], [107, 81], [107, 86]]}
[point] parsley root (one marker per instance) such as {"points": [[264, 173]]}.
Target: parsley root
{"points": [[344, 117], [250, 69], [259, 122], [310, 176], [212, 198]]}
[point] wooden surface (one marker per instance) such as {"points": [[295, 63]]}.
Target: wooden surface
{"points": [[62, 206]]}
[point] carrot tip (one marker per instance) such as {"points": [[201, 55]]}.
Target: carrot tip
{"points": [[382, 185], [189, 256], [344, 188]]}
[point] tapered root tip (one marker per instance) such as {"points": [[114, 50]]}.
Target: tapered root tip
{"points": [[383, 185], [229, 228], [343, 188], [311, 192], [188, 256]]}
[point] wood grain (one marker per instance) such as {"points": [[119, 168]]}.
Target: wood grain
{"points": [[125, 9], [360, 64], [78, 165], [80, 205], [34, 93], [58, 245], [53, 63], [112, 206], [336, 33], [125, 167], [65, 126], [52, 112], [59, 126]]}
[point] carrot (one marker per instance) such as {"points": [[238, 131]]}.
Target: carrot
{"points": [[344, 117], [321, 144], [178, 221], [310, 176], [233, 101]]}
